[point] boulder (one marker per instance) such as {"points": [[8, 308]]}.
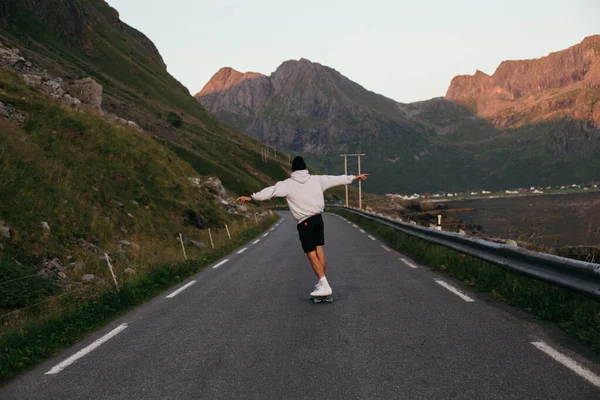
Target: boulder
{"points": [[32, 80], [45, 226], [88, 278], [88, 91], [4, 232], [56, 265], [214, 185], [3, 110]]}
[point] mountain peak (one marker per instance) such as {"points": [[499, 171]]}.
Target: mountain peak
{"points": [[225, 78]]}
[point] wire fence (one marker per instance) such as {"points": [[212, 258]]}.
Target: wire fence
{"points": [[185, 246]]}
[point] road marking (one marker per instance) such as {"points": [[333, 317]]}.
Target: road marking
{"points": [[362, 231], [221, 263], [455, 291], [385, 248], [354, 225], [84, 351], [181, 289], [569, 363], [242, 250], [371, 237], [256, 241], [405, 261], [271, 230], [266, 234]]}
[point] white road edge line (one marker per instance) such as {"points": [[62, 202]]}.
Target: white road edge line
{"points": [[221, 263], [59, 367], [371, 237], [181, 289], [354, 225], [256, 241], [242, 250], [385, 248], [266, 234], [405, 261], [361, 231], [455, 291], [569, 363]]}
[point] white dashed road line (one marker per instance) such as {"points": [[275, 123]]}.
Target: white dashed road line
{"points": [[86, 350], [354, 225], [181, 289], [371, 237], [405, 261], [361, 231], [221, 263], [266, 234], [569, 363], [242, 250], [256, 241], [385, 248], [455, 291]]}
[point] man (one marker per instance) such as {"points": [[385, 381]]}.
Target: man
{"points": [[304, 195]]}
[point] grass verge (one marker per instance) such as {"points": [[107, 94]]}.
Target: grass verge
{"points": [[36, 341], [578, 316]]}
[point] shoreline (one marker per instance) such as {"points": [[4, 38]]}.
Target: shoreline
{"points": [[507, 196]]}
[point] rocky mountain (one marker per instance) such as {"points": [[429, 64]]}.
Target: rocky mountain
{"points": [[535, 115], [563, 84]]}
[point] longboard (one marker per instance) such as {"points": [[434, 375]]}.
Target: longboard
{"points": [[321, 299]]}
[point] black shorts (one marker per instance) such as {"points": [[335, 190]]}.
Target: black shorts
{"points": [[312, 233]]}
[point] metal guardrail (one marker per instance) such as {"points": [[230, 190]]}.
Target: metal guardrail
{"points": [[580, 276]]}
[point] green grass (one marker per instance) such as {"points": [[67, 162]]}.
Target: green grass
{"points": [[578, 316], [82, 312]]}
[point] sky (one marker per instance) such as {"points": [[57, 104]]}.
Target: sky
{"points": [[405, 50]]}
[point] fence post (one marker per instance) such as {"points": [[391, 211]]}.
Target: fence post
{"points": [[439, 225], [211, 241], [182, 246], [111, 270], [227, 229]]}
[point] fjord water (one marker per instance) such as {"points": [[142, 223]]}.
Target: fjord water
{"points": [[554, 220]]}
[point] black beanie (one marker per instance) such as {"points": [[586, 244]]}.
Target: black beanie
{"points": [[298, 164]]}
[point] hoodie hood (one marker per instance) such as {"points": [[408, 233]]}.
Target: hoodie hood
{"points": [[301, 176]]}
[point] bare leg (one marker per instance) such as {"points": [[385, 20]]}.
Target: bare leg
{"points": [[321, 257], [316, 264]]}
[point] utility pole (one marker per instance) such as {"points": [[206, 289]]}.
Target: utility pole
{"points": [[345, 173], [359, 182]]}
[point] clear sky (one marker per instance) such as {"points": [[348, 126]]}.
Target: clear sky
{"points": [[405, 50]]}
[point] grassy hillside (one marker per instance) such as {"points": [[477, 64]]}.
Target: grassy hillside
{"points": [[78, 38]]}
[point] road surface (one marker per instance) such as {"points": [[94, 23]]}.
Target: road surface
{"points": [[246, 330]]}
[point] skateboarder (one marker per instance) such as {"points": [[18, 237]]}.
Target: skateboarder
{"points": [[304, 195]]}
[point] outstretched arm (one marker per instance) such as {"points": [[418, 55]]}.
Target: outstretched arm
{"points": [[328, 181], [278, 190]]}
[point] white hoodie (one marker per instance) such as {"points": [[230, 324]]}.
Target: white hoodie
{"points": [[303, 192]]}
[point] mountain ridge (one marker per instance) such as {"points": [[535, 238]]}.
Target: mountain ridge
{"points": [[315, 110]]}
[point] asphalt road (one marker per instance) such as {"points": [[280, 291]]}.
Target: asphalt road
{"points": [[246, 330]]}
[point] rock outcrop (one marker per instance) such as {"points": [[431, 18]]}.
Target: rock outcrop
{"points": [[83, 93], [88, 91]]}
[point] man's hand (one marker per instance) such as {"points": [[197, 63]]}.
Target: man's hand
{"points": [[361, 177], [244, 199]]}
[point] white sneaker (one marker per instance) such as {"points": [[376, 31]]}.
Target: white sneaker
{"points": [[317, 286], [322, 290]]}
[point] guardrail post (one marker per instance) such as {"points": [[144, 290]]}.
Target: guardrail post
{"points": [[439, 225]]}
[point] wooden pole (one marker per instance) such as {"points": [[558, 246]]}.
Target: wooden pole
{"points": [[182, 246], [211, 240]]}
